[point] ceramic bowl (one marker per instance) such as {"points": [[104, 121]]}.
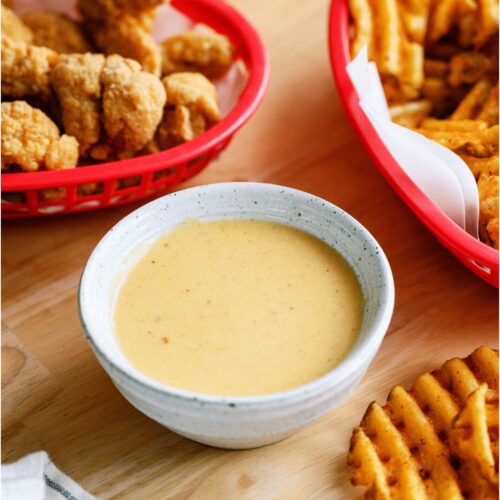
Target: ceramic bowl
{"points": [[235, 422]]}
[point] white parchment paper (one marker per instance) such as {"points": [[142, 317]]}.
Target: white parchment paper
{"points": [[441, 174]]}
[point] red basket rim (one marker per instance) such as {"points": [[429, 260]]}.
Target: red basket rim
{"points": [[223, 18], [459, 241]]}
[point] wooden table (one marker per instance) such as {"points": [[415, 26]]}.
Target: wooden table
{"points": [[57, 398]]}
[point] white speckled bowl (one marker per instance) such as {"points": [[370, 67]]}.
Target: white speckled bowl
{"points": [[235, 422]]}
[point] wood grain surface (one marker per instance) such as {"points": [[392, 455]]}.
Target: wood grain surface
{"points": [[57, 398]]}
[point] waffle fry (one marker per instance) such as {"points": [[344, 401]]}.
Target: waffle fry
{"points": [[437, 440]]}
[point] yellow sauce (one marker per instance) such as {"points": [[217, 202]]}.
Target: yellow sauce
{"points": [[238, 307]]}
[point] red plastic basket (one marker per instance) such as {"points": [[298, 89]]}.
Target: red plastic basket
{"points": [[155, 173], [480, 258]]}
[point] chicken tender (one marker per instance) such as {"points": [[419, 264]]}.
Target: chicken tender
{"points": [[76, 82], [191, 109], [104, 8], [31, 140], [57, 32], [116, 30], [26, 69], [208, 53], [132, 102], [13, 26]]}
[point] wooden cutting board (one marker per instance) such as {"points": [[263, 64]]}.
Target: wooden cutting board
{"points": [[57, 398]]}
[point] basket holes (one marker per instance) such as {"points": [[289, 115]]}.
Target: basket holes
{"points": [[90, 188], [163, 174], [14, 197], [128, 182], [52, 194]]}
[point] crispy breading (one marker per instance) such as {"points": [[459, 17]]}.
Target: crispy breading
{"points": [[123, 27], [132, 102], [31, 140], [14, 27], [103, 8], [191, 109], [418, 445], [488, 208], [57, 32], [26, 69], [76, 82], [208, 53]]}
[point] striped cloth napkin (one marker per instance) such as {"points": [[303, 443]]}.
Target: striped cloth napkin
{"points": [[35, 477]]}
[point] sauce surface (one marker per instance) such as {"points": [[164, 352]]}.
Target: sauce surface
{"points": [[238, 307]]}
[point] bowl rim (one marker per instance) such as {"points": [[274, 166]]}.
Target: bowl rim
{"points": [[360, 354], [225, 19]]}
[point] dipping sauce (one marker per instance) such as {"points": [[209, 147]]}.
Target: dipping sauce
{"points": [[238, 307]]}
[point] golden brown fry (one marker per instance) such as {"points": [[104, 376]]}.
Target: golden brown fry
{"points": [[57, 32], [26, 69], [363, 26], [31, 140], [481, 143], [13, 26], [473, 102], [441, 50], [489, 113], [488, 21], [441, 19], [480, 166], [388, 31], [208, 53], [412, 73], [414, 14], [411, 114], [132, 102], [466, 22], [401, 450], [473, 428], [454, 125], [435, 68], [76, 82], [191, 109], [469, 67], [488, 208], [444, 98]]}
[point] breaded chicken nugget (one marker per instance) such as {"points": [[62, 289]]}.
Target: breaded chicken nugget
{"points": [[13, 26], [26, 69], [76, 82], [31, 140], [132, 102], [120, 27], [57, 32], [191, 109], [208, 53]]}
